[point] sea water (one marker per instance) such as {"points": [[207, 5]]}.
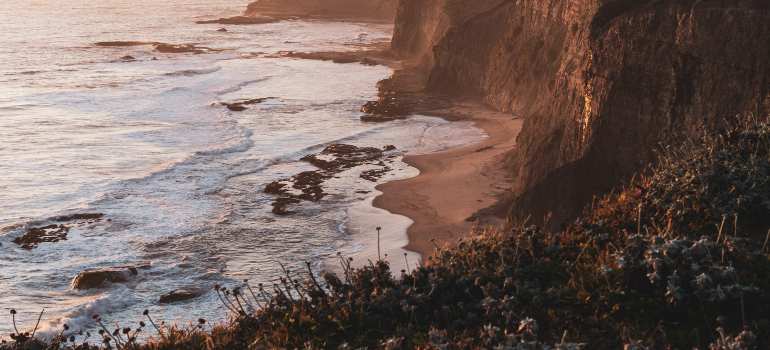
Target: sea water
{"points": [[178, 177]]}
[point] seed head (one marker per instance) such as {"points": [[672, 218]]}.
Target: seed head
{"points": [[101, 331], [95, 316], [66, 327], [72, 339], [141, 324], [217, 287], [201, 321], [379, 228], [146, 312], [126, 330], [13, 311]]}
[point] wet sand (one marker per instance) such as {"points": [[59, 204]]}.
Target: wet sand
{"points": [[454, 184]]}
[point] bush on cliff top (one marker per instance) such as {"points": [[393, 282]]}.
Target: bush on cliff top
{"points": [[675, 260]]}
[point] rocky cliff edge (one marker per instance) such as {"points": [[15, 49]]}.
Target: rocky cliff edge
{"points": [[599, 82]]}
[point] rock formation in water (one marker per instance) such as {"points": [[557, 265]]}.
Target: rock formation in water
{"points": [[373, 9], [599, 82]]}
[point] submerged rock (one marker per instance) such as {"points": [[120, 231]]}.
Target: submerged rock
{"points": [[182, 294]]}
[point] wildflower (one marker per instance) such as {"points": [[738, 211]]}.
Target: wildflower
{"points": [[673, 294], [605, 271]]}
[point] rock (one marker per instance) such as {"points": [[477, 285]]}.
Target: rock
{"points": [[240, 106], [124, 43], [127, 58], [332, 160], [240, 20], [95, 278], [389, 148], [168, 48], [54, 233], [222, 29], [182, 294]]}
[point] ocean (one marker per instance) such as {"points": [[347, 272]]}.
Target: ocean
{"points": [[179, 177]]}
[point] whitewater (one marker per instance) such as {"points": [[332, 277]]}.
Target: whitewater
{"points": [[145, 141]]}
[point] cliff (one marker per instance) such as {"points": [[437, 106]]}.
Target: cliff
{"points": [[343, 9], [599, 82]]}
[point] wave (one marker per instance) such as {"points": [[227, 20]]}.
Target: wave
{"points": [[191, 72], [80, 316], [237, 86]]}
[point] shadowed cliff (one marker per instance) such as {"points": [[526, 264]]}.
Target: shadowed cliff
{"points": [[599, 82]]}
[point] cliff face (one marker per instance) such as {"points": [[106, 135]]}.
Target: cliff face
{"points": [[375, 9], [599, 82]]}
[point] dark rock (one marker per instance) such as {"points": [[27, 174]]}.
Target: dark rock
{"points": [[168, 48], [54, 233], [389, 148], [222, 29], [182, 294], [95, 278], [73, 217], [128, 58], [36, 235], [402, 95], [240, 106], [124, 43], [331, 161], [240, 20]]}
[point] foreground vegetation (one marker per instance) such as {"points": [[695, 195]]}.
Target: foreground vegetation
{"points": [[678, 259]]}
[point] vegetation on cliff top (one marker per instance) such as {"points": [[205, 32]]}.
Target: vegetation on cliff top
{"points": [[678, 259]]}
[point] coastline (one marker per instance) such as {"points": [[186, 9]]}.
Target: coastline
{"points": [[453, 185]]}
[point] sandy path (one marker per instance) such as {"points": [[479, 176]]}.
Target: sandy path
{"points": [[454, 184]]}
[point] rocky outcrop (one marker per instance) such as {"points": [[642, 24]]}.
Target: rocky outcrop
{"points": [[95, 278], [599, 82], [371, 9], [334, 159]]}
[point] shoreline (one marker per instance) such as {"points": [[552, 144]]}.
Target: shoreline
{"points": [[444, 201]]}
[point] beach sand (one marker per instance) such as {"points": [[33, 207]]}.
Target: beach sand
{"points": [[454, 184]]}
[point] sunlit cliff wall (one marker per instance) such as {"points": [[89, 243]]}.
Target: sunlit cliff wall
{"points": [[599, 82]]}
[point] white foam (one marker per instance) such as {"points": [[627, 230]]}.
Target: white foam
{"points": [[81, 316]]}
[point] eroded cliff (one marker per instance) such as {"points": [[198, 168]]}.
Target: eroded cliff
{"points": [[599, 82]]}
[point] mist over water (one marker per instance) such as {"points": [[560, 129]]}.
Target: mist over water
{"points": [[178, 176]]}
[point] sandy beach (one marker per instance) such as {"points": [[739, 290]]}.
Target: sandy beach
{"points": [[454, 184]]}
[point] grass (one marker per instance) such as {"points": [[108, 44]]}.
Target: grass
{"points": [[675, 260]]}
